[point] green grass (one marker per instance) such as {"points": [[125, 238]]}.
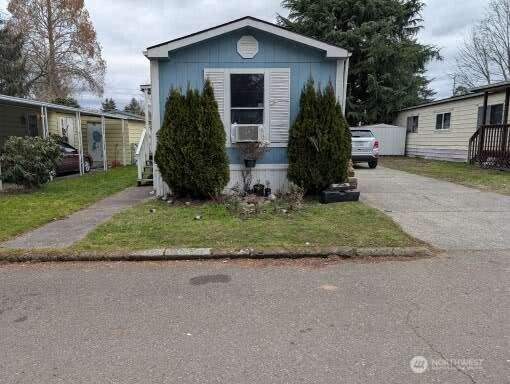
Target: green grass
{"points": [[23, 211], [460, 173], [345, 224]]}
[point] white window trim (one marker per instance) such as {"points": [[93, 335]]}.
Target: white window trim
{"points": [[442, 122], [266, 73]]}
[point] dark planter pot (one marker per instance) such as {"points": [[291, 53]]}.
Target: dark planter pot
{"points": [[267, 192], [250, 163], [258, 189]]}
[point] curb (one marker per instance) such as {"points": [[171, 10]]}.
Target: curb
{"points": [[212, 254]]}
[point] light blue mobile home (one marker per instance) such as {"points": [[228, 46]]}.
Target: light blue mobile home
{"points": [[257, 70]]}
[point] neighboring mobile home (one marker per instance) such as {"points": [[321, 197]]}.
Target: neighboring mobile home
{"points": [[240, 57], [443, 129], [24, 117]]}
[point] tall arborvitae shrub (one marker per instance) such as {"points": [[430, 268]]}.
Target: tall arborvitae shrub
{"points": [[191, 152], [319, 141]]}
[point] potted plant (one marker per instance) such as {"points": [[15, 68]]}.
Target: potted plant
{"points": [[267, 191], [252, 151], [258, 188]]}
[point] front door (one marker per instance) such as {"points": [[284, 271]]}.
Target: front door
{"points": [[95, 143]]}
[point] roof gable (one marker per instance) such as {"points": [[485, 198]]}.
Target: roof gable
{"points": [[161, 50]]}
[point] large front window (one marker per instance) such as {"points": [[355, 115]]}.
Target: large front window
{"points": [[247, 98]]}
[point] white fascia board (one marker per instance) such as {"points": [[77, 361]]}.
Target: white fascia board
{"points": [[161, 52], [62, 108]]}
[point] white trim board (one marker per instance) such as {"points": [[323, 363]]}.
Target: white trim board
{"points": [[161, 51], [260, 167]]}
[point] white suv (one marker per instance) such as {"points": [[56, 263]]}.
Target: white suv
{"points": [[365, 147]]}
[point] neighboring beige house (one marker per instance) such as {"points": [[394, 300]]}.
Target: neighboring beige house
{"points": [[442, 129], [23, 117]]}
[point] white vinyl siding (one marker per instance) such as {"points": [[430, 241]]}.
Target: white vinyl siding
{"points": [[449, 144]]}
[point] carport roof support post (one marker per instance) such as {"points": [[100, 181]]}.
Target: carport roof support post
{"points": [[44, 122], [123, 142], [80, 142], [103, 132]]}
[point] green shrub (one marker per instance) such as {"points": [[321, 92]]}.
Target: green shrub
{"points": [[319, 141], [30, 161], [191, 152]]}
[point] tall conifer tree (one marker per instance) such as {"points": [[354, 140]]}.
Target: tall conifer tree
{"points": [[319, 141], [191, 152], [387, 66]]}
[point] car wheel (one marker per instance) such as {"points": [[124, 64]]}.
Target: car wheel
{"points": [[86, 166], [372, 164]]}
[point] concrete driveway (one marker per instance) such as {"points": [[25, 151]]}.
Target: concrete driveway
{"points": [[445, 215]]}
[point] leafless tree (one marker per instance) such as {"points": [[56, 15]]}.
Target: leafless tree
{"points": [[61, 48], [484, 57]]}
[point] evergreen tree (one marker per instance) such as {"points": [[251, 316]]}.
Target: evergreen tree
{"points": [[191, 153], [108, 105], [319, 141], [387, 66], [13, 69], [134, 107], [67, 101]]}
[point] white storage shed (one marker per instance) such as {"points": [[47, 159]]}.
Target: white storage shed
{"points": [[392, 138]]}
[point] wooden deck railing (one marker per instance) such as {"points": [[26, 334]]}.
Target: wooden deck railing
{"points": [[489, 147]]}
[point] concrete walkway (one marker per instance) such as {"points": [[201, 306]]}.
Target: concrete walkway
{"points": [[445, 215], [62, 233]]}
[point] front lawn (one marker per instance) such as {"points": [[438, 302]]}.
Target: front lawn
{"points": [[460, 173], [23, 211], [345, 224]]}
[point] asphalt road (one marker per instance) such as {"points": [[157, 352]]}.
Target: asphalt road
{"points": [[257, 322]]}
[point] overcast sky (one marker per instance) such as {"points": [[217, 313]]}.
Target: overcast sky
{"points": [[126, 27]]}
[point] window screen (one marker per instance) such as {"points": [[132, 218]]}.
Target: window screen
{"points": [[247, 98]]}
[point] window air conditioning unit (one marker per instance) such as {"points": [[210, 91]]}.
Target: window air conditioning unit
{"points": [[247, 133]]}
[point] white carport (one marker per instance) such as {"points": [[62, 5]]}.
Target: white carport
{"points": [[43, 107], [392, 138]]}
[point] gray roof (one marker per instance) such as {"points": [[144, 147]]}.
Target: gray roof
{"points": [[36, 103], [472, 92]]}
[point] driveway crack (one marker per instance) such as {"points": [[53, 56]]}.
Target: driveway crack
{"points": [[434, 349]]}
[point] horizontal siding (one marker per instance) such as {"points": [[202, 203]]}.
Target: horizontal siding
{"points": [[448, 142], [438, 153], [114, 149], [12, 123], [135, 129]]}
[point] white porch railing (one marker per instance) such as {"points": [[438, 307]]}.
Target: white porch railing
{"points": [[142, 153]]}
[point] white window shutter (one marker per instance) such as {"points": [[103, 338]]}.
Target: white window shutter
{"points": [[217, 78], [279, 105]]}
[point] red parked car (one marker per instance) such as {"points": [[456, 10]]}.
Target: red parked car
{"points": [[70, 162]]}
